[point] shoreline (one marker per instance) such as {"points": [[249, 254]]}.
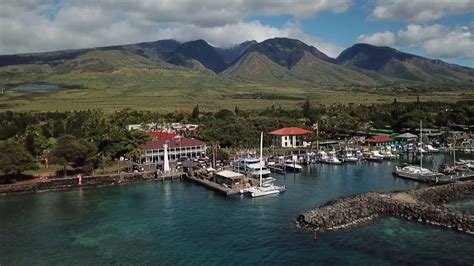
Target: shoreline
{"points": [[421, 205], [60, 184]]}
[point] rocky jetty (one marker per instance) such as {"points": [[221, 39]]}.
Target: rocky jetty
{"points": [[422, 205]]}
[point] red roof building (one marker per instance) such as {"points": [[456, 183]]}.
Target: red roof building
{"points": [[162, 135], [290, 131], [178, 147], [380, 141], [290, 137]]}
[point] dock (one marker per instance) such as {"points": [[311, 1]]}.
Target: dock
{"points": [[214, 186], [276, 169], [446, 179]]}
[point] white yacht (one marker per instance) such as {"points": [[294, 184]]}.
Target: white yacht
{"points": [[431, 149], [251, 166], [388, 155], [322, 156], [292, 165], [332, 158], [350, 158], [375, 156]]}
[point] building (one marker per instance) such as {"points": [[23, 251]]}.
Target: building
{"points": [[290, 137], [168, 127], [230, 179], [380, 141], [178, 148]]}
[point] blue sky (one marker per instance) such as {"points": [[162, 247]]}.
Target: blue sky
{"points": [[439, 29]]}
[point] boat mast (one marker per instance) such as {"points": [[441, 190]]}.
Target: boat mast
{"points": [[454, 150], [421, 140], [261, 156], [317, 135]]}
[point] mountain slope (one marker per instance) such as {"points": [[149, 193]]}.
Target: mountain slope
{"points": [[273, 61], [389, 61], [292, 60], [255, 66], [230, 54], [198, 50], [287, 52], [314, 69]]}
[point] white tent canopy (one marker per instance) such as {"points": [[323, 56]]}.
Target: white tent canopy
{"points": [[406, 136]]}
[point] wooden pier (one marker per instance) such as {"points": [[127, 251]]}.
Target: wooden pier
{"points": [[214, 186]]}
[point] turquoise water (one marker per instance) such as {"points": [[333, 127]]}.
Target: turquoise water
{"points": [[466, 205], [182, 223]]}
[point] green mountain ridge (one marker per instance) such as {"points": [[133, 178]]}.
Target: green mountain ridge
{"points": [[273, 61]]}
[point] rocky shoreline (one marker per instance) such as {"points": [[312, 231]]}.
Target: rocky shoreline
{"points": [[87, 182], [421, 205]]}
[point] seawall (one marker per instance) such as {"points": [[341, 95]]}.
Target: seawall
{"points": [[421, 205], [87, 182]]}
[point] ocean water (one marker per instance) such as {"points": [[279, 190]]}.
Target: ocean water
{"points": [[181, 223]]}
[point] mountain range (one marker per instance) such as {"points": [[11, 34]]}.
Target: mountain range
{"points": [[277, 60]]}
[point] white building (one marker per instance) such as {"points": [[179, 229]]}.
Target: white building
{"points": [[290, 137]]}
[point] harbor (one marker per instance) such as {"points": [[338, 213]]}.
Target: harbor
{"points": [[184, 217]]}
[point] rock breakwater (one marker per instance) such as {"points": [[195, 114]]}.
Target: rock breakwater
{"points": [[421, 205]]}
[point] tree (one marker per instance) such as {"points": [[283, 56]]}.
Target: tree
{"points": [[15, 159], [306, 108], [223, 114], [75, 151], [195, 113], [35, 142]]}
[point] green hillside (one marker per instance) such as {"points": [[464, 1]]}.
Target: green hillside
{"points": [[140, 76]]}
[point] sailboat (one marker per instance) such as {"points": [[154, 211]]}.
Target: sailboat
{"points": [[267, 187], [417, 173]]}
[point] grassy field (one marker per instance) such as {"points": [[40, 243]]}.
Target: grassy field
{"points": [[166, 90], [211, 99]]}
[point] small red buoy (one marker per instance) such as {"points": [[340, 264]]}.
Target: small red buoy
{"points": [[315, 236]]}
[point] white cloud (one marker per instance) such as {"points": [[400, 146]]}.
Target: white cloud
{"points": [[386, 38], [42, 25], [436, 40], [210, 13], [417, 11]]}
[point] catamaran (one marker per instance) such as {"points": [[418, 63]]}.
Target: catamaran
{"points": [[266, 187]]}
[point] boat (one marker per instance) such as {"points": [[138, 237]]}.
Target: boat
{"points": [[374, 156], [417, 173], [322, 156], [332, 158], [267, 187], [388, 155], [292, 165], [251, 166], [431, 149], [350, 158]]}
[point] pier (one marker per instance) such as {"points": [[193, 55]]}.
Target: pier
{"points": [[213, 185], [422, 205]]}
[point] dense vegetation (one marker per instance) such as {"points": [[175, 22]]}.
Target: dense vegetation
{"points": [[89, 139]]}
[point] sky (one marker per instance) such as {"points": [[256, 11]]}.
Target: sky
{"points": [[441, 29]]}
